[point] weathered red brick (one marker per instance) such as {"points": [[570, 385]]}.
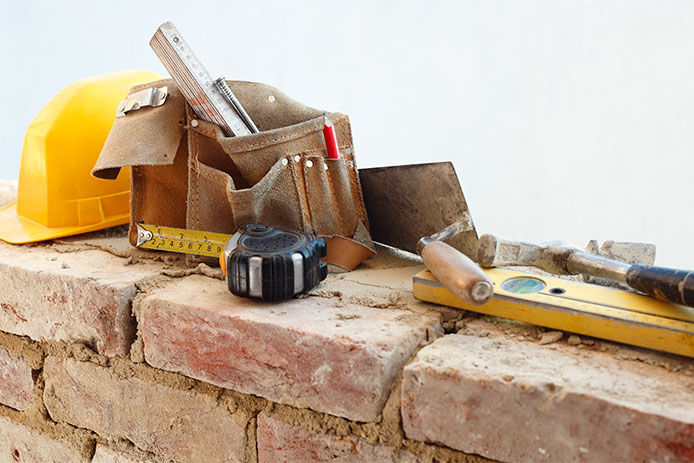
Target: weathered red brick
{"points": [[278, 441], [81, 296], [175, 424], [313, 352], [16, 381], [19, 443], [519, 401]]}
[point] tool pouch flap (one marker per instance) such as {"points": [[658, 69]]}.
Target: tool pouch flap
{"points": [[146, 136], [279, 176]]}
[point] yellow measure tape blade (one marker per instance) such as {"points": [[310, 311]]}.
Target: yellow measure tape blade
{"points": [[576, 307], [181, 240]]}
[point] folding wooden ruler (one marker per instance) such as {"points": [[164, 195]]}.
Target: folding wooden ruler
{"points": [[576, 307], [212, 100]]}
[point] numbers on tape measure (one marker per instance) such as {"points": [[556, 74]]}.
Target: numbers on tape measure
{"points": [[190, 242]]}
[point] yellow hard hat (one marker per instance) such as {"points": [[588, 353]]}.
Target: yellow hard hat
{"points": [[56, 195]]}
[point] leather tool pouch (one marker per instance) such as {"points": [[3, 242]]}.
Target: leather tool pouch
{"points": [[186, 173]]}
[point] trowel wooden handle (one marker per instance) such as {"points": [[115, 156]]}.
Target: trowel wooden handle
{"points": [[457, 272]]}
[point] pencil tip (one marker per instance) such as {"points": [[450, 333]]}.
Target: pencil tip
{"points": [[326, 120]]}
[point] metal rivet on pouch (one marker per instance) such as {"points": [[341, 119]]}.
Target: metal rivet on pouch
{"points": [[297, 158], [194, 123], [325, 167], [271, 99], [285, 161], [309, 163]]}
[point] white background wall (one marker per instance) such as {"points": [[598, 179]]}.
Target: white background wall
{"points": [[565, 120]]}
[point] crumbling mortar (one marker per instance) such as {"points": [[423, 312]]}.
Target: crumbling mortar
{"points": [[201, 269], [251, 449], [81, 440], [243, 408], [23, 346], [432, 453]]}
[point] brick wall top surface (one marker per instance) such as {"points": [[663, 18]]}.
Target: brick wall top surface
{"points": [[476, 393], [80, 296], [321, 353]]}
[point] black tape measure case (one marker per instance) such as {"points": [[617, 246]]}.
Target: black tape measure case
{"points": [[273, 263]]}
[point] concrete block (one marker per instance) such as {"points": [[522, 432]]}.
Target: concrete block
{"points": [[312, 352], [526, 402]]}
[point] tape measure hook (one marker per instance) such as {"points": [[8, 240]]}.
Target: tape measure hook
{"points": [[143, 235]]}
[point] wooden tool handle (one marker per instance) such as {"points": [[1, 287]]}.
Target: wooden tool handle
{"points": [[457, 272], [663, 283]]}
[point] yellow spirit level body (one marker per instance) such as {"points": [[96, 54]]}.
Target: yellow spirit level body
{"points": [[581, 308]]}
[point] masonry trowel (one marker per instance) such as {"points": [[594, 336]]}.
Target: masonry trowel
{"points": [[421, 208]]}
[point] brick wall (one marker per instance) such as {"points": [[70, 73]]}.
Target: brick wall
{"points": [[111, 354]]}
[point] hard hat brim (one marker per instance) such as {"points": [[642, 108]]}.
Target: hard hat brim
{"points": [[16, 229]]}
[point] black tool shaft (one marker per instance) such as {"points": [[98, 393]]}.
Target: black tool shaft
{"points": [[666, 284], [663, 283]]}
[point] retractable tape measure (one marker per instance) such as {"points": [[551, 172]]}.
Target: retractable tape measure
{"points": [[259, 261]]}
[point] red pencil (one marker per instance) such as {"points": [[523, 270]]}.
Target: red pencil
{"points": [[330, 138]]}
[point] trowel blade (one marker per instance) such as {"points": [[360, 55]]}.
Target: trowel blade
{"points": [[405, 203]]}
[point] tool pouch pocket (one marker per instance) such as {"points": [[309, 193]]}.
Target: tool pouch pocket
{"points": [[187, 173]]}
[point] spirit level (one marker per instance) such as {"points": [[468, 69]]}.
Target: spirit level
{"points": [[581, 308]]}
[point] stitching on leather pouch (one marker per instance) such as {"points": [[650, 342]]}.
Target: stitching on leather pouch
{"points": [[305, 198], [194, 167], [285, 138], [136, 180], [304, 209], [344, 149]]}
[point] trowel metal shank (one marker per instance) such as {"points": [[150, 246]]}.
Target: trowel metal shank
{"points": [[406, 203]]}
